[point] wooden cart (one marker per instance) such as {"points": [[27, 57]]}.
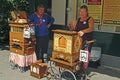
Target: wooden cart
{"points": [[22, 50], [64, 62]]}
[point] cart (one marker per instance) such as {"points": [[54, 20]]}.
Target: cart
{"points": [[22, 46], [64, 67]]}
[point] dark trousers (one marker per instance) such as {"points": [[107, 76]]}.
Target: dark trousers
{"points": [[41, 46]]}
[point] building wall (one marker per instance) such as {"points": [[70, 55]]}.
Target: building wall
{"points": [[109, 42], [70, 11], [110, 61]]}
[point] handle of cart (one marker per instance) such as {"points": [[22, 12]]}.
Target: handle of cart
{"points": [[86, 43]]}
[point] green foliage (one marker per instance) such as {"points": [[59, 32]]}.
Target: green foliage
{"points": [[5, 7], [21, 5]]}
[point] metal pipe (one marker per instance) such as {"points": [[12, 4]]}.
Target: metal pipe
{"points": [[74, 18]]}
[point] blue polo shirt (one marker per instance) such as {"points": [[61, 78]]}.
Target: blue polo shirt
{"points": [[41, 30]]}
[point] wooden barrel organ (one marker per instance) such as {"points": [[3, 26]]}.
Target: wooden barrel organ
{"points": [[67, 45], [19, 44]]}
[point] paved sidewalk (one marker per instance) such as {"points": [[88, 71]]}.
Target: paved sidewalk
{"points": [[6, 73]]}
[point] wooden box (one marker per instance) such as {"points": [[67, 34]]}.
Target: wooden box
{"points": [[38, 69], [18, 37], [66, 45], [29, 50], [18, 44], [75, 66], [23, 28], [20, 49]]}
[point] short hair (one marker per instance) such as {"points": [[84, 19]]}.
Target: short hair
{"points": [[39, 6], [84, 7]]}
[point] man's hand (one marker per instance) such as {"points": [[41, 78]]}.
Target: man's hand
{"points": [[48, 25]]}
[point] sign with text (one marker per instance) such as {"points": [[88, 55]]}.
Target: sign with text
{"points": [[83, 56], [95, 10], [94, 2], [111, 12]]}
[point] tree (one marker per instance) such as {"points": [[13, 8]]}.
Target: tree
{"points": [[21, 5], [6, 6]]}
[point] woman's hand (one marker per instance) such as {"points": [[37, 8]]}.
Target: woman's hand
{"points": [[72, 25], [81, 33]]}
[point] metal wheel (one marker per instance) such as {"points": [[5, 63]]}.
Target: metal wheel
{"points": [[83, 73], [68, 75], [22, 69], [52, 63], [13, 65], [52, 73]]}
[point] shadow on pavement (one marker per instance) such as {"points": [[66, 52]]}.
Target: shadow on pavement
{"points": [[4, 46]]}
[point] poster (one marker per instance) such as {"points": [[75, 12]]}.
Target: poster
{"points": [[95, 10], [111, 12]]}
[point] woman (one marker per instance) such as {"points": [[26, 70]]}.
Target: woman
{"points": [[84, 26], [42, 22]]}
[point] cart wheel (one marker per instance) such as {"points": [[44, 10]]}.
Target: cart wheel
{"points": [[83, 73], [61, 70], [67, 75], [22, 69], [52, 63], [84, 78], [13, 65], [52, 73]]}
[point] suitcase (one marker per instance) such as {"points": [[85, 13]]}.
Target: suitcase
{"points": [[38, 69]]}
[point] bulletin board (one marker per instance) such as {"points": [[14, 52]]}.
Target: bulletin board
{"points": [[111, 12]]}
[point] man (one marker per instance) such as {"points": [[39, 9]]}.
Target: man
{"points": [[42, 22]]}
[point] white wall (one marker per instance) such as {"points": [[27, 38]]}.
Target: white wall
{"points": [[70, 11], [58, 11]]}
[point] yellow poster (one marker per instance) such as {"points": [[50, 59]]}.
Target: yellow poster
{"points": [[111, 12], [95, 10]]}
